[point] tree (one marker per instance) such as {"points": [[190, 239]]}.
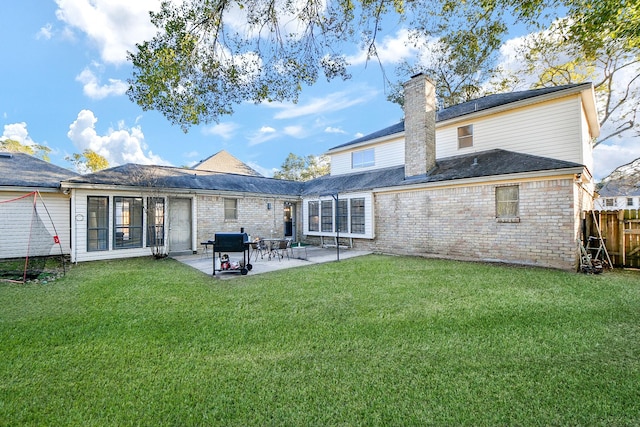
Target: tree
{"points": [[209, 55], [296, 168], [37, 150], [551, 59], [88, 161]]}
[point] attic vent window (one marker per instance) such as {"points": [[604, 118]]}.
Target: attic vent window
{"points": [[465, 136]]}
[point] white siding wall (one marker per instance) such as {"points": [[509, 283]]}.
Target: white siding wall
{"points": [[79, 234], [387, 154], [587, 145], [16, 218], [551, 129]]}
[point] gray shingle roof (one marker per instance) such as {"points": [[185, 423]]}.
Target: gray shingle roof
{"points": [[484, 164], [459, 110], [181, 178], [23, 170], [478, 165]]}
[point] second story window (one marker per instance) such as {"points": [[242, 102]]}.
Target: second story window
{"points": [[465, 136], [362, 158]]}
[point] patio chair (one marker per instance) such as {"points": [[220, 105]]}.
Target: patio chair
{"points": [[259, 248], [282, 249]]}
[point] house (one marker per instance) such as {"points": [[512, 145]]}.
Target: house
{"points": [[30, 197], [502, 178], [621, 189], [129, 210]]}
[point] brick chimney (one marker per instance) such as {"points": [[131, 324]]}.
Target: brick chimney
{"points": [[419, 126]]}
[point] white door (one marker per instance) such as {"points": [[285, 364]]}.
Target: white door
{"points": [[179, 225]]}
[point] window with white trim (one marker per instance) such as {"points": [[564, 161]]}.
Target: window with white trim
{"points": [[507, 201], [357, 215], [98, 223], [127, 222], [155, 221], [349, 216], [230, 209], [342, 216], [363, 158], [326, 215], [465, 136], [314, 216]]}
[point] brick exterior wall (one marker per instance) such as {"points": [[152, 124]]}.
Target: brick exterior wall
{"points": [[460, 223], [253, 216]]}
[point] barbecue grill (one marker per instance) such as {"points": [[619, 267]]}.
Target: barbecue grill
{"points": [[231, 242]]}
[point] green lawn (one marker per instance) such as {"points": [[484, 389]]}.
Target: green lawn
{"points": [[374, 340]]}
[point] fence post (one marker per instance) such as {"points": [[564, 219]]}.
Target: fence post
{"points": [[621, 232]]}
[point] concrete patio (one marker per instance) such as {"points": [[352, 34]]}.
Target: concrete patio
{"points": [[298, 257]]}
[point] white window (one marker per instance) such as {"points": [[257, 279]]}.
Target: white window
{"points": [[465, 136], [507, 201], [230, 209], [609, 202], [362, 158], [314, 216], [349, 216], [630, 201]]}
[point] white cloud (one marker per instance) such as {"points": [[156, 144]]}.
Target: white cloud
{"points": [[113, 25], [332, 102], [330, 129], [118, 146], [295, 131], [45, 32], [223, 130], [17, 132], [266, 133], [608, 156], [93, 89]]}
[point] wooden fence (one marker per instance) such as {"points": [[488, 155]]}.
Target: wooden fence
{"points": [[620, 232]]}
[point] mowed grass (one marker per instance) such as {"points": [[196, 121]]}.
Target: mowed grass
{"points": [[375, 340]]}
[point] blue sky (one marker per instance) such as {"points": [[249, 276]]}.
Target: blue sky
{"points": [[63, 80]]}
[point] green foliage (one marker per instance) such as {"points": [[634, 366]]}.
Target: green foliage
{"points": [[373, 340], [88, 161], [36, 150], [298, 168], [208, 56]]}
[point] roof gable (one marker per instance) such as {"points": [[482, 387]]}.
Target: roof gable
{"points": [[222, 161]]}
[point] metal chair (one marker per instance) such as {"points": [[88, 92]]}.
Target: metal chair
{"points": [[282, 249], [259, 248]]}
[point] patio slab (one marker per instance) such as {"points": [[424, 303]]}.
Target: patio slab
{"points": [[304, 256]]}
